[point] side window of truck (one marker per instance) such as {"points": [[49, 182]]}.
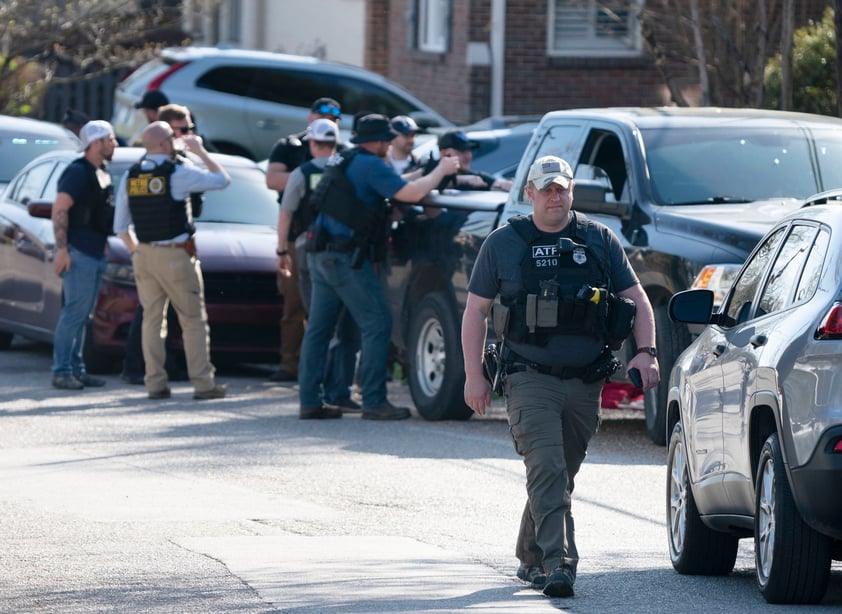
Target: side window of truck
{"points": [[604, 151]]}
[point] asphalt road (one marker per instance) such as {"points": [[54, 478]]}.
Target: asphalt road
{"points": [[110, 502]]}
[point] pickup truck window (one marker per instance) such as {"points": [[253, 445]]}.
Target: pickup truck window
{"points": [[733, 164]]}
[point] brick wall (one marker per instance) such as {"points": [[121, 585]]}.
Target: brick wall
{"points": [[533, 84]]}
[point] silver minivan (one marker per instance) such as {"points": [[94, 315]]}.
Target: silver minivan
{"points": [[243, 101]]}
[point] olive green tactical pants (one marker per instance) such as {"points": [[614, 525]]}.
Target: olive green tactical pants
{"points": [[551, 421]]}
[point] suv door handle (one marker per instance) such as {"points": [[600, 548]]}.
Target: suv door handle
{"points": [[267, 124], [758, 340], [719, 349]]}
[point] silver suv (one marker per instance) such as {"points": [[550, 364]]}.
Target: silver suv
{"points": [[243, 101]]}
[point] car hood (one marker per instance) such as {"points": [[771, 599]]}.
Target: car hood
{"points": [[734, 228], [224, 247]]}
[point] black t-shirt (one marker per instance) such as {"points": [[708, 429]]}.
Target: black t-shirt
{"points": [[88, 187]]}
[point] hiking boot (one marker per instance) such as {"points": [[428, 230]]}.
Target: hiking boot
{"points": [[90, 380], [560, 582], [385, 411], [217, 392], [347, 405], [163, 393], [325, 412], [533, 574], [67, 382]]}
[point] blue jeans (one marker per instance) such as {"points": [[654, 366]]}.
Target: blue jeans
{"points": [[341, 364], [334, 284], [80, 286]]}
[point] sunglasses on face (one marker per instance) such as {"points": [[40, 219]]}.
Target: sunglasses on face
{"points": [[327, 109], [184, 129]]}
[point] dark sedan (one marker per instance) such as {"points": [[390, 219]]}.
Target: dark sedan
{"points": [[235, 238]]}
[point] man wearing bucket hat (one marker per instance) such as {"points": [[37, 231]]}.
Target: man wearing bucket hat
{"points": [[347, 239], [545, 268], [82, 216]]}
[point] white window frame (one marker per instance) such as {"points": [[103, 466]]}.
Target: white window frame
{"points": [[577, 28], [433, 25]]}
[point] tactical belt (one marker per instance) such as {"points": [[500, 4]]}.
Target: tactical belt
{"points": [[518, 364]]}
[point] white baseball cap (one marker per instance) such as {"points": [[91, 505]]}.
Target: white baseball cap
{"points": [[323, 131], [93, 131]]}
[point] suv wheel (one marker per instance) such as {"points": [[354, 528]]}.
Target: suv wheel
{"points": [[695, 549], [792, 561], [671, 339], [435, 374], [96, 361]]}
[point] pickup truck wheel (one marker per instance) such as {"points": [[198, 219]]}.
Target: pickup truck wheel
{"points": [[671, 339], [792, 560], [435, 374], [695, 549]]}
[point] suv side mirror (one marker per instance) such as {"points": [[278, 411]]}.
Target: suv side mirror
{"points": [[691, 307]]}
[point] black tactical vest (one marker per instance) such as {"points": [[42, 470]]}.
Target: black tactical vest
{"points": [[336, 196], [156, 215], [565, 286], [95, 210]]}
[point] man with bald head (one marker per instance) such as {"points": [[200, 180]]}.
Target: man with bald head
{"points": [[153, 218]]}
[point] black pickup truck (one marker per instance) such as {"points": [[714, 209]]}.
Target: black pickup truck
{"points": [[681, 187]]}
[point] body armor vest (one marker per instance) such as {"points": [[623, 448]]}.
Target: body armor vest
{"points": [[96, 210], [336, 196], [565, 286], [306, 212], [156, 215]]}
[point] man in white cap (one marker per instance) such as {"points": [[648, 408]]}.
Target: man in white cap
{"points": [[296, 215], [82, 216], [559, 277]]}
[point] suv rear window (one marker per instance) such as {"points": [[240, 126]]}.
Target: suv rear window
{"points": [[300, 88], [235, 80]]}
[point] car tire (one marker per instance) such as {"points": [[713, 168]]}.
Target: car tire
{"points": [[6, 340], [96, 361], [792, 560], [435, 364], [671, 338], [695, 549]]}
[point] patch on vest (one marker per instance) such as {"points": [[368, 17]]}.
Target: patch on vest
{"points": [[547, 256], [146, 185]]}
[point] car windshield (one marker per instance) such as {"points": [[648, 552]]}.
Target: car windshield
{"points": [[17, 150], [721, 165], [246, 200]]}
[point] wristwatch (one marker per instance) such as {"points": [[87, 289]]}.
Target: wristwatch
{"points": [[648, 350]]}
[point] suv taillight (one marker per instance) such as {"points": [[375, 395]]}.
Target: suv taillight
{"points": [[155, 84], [831, 326]]}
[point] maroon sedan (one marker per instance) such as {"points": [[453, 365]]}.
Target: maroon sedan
{"points": [[235, 238]]}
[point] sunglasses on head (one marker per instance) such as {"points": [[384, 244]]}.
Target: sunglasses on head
{"points": [[184, 129], [327, 109]]}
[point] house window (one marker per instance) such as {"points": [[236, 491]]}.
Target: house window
{"points": [[433, 25], [588, 28]]}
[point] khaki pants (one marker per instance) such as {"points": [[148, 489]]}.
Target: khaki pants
{"points": [[292, 319], [164, 276], [551, 421]]}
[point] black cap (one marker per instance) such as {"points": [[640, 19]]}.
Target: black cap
{"points": [[456, 140], [326, 106], [374, 127], [152, 99], [405, 125]]}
